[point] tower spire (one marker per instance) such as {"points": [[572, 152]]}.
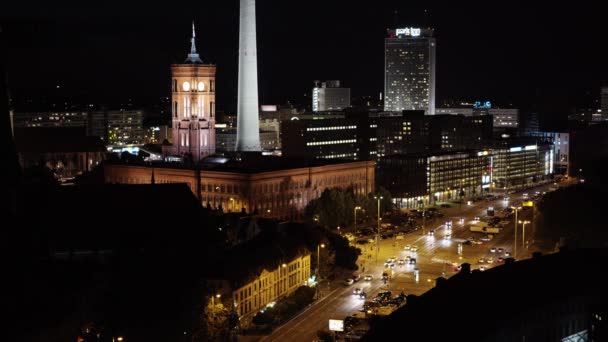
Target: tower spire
{"points": [[193, 57]]}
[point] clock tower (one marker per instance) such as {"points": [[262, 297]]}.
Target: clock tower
{"points": [[192, 107]]}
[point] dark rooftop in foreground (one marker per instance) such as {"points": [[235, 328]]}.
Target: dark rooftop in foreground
{"points": [[545, 298], [111, 215], [56, 139], [268, 250]]}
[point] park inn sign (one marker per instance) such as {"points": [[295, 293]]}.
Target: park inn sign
{"points": [[408, 31]]}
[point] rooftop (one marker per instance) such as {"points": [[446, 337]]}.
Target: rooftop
{"points": [[474, 306], [247, 162]]}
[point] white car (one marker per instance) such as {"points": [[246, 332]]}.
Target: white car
{"points": [[414, 248], [407, 247], [369, 277], [349, 281]]}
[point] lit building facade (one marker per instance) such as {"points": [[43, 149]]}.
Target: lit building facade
{"points": [[121, 127], [518, 166], [269, 286], [192, 107], [271, 186], [409, 70], [502, 117], [329, 96], [225, 139], [415, 180], [505, 117], [326, 139], [51, 119], [368, 136]]}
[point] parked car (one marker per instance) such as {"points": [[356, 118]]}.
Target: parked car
{"points": [[356, 277], [349, 281]]}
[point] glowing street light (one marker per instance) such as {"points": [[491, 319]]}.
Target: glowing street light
{"points": [[378, 230], [218, 296], [523, 237], [515, 244], [319, 246], [356, 208]]}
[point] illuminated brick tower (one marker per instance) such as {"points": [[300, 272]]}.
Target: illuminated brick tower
{"points": [[192, 107]]}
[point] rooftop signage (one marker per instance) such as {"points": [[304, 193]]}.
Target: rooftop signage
{"points": [[408, 31], [483, 105]]}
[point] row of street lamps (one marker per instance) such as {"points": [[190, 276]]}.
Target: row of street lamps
{"points": [[523, 238]]}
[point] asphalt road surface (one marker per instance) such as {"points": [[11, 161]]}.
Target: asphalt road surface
{"points": [[436, 257]]}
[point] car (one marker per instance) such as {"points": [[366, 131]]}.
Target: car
{"points": [[482, 268], [490, 260], [431, 232], [499, 250], [383, 295], [393, 258], [349, 281], [414, 248], [412, 261], [481, 260], [368, 277], [356, 277], [400, 262], [507, 254], [407, 247], [392, 265], [357, 290], [351, 321], [500, 260], [362, 295], [492, 250], [476, 218]]}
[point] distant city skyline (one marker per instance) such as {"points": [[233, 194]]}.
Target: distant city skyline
{"points": [[507, 55]]}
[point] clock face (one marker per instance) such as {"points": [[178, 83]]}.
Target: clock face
{"points": [[186, 86], [201, 86]]}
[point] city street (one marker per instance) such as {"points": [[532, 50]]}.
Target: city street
{"points": [[435, 256]]}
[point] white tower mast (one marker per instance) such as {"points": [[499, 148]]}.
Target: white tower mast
{"points": [[247, 130]]}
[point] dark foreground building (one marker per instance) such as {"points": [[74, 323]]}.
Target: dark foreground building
{"points": [[558, 297]]}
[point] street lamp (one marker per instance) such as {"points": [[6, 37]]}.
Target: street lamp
{"points": [[515, 244], [378, 230], [218, 296], [355, 225], [523, 237], [319, 246]]}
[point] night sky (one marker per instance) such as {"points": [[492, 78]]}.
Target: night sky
{"points": [[529, 55]]}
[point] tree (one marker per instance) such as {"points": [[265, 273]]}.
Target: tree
{"points": [[215, 322]]}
